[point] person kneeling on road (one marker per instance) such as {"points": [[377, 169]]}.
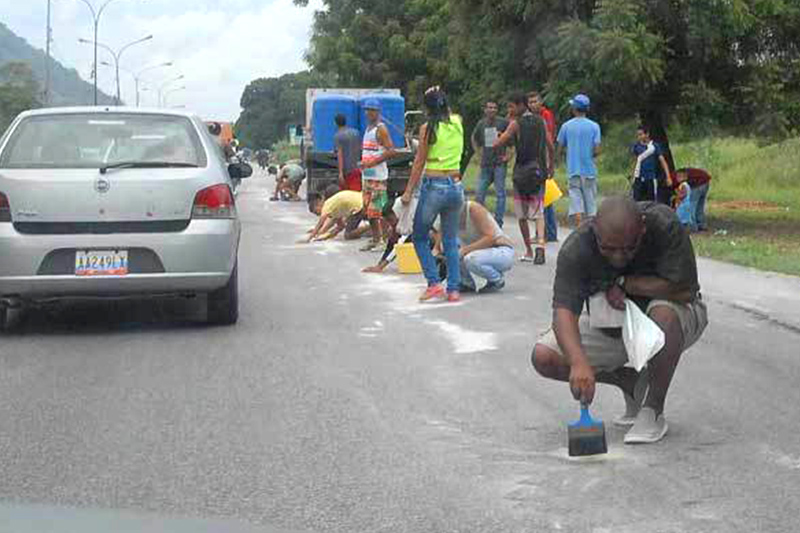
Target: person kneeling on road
{"points": [[485, 250], [393, 238], [342, 211], [632, 250], [288, 182]]}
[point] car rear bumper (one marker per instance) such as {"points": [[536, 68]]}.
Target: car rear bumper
{"points": [[198, 259]]}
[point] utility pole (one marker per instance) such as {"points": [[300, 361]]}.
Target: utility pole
{"points": [[47, 59]]}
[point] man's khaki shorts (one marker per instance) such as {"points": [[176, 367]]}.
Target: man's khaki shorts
{"points": [[607, 353]]}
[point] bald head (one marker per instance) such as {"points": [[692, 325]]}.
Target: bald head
{"points": [[618, 214], [619, 227]]}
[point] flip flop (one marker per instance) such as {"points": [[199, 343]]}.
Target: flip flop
{"points": [[526, 259]]}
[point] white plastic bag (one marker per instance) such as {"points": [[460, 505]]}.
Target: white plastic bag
{"points": [[602, 315], [642, 337], [405, 215]]}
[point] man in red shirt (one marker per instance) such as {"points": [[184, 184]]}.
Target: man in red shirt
{"points": [[536, 105], [699, 180]]}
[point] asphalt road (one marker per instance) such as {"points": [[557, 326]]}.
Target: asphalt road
{"points": [[339, 404]]}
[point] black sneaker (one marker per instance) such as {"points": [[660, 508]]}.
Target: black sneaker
{"points": [[539, 259], [492, 287], [466, 288]]}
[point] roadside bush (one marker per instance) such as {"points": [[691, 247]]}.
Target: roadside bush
{"points": [[284, 151]]}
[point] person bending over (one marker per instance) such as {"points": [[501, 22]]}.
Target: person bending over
{"points": [[486, 251], [342, 211], [288, 182]]}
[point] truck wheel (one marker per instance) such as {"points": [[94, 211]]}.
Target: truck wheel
{"points": [[223, 303]]}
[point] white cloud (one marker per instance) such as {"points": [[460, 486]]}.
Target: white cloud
{"points": [[219, 46]]}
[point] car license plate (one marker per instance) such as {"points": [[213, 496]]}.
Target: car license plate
{"points": [[101, 263]]}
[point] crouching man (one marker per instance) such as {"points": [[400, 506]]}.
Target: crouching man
{"points": [[637, 251]]}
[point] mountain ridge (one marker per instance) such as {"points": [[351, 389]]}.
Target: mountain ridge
{"points": [[67, 87]]}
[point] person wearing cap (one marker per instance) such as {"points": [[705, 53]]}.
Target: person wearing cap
{"points": [[377, 148], [581, 138]]}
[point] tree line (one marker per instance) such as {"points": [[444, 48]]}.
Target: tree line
{"points": [[706, 63], [19, 91]]}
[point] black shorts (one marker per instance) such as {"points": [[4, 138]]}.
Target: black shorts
{"points": [[645, 191], [353, 221]]}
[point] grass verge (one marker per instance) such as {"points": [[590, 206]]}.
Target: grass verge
{"points": [[754, 201]]}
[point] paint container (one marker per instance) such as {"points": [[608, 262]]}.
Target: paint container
{"points": [[407, 260]]}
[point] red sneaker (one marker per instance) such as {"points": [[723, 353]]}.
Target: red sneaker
{"points": [[432, 292], [454, 297]]}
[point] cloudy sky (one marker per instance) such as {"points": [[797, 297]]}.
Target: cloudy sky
{"points": [[217, 45]]}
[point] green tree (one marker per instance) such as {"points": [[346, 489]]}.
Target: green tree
{"points": [[633, 57], [269, 105], [18, 91]]}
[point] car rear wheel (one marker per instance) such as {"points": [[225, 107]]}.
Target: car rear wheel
{"points": [[223, 303]]}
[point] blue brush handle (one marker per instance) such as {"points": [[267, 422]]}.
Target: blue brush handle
{"points": [[586, 418]]}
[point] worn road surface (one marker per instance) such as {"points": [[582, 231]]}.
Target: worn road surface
{"points": [[339, 404]]}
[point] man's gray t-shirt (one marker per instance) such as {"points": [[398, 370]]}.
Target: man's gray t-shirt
{"points": [[349, 141], [295, 173], [484, 135]]}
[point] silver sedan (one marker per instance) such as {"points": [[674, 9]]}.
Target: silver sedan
{"points": [[116, 202]]}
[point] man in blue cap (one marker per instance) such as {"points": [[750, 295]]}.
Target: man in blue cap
{"points": [[581, 138], [376, 150]]}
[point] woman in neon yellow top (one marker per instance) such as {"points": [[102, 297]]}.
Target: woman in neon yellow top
{"points": [[441, 194]]}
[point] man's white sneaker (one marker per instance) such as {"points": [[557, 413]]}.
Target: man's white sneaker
{"points": [[648, 428]]}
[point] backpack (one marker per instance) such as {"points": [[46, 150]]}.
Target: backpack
{"points": [[528, 178]]}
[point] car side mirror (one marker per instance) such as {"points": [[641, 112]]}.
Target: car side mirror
{"points": [[240, 170]]}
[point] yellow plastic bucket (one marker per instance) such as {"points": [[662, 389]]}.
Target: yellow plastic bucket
{"points": [[407, 260]]}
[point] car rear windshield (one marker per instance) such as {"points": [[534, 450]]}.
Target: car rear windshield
{"points": [[95, 140]]}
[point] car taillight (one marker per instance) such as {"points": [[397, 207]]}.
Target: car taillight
{"points": [[5, 208], [214, 202]]}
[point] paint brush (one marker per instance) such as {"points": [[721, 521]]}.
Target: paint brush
{"points": [[587, 436]]}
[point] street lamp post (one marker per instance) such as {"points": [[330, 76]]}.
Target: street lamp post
{"points": [[164, 86], [116, 55], [96, 14], [176, 89], [137, 76]]}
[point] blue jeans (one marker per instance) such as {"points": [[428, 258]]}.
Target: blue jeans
{"points": [[496, 175], [489, 263], [551, 224], [698, 203], [443, 197]]}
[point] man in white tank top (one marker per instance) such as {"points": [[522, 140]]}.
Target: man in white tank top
{"points": [[376, 150]]}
